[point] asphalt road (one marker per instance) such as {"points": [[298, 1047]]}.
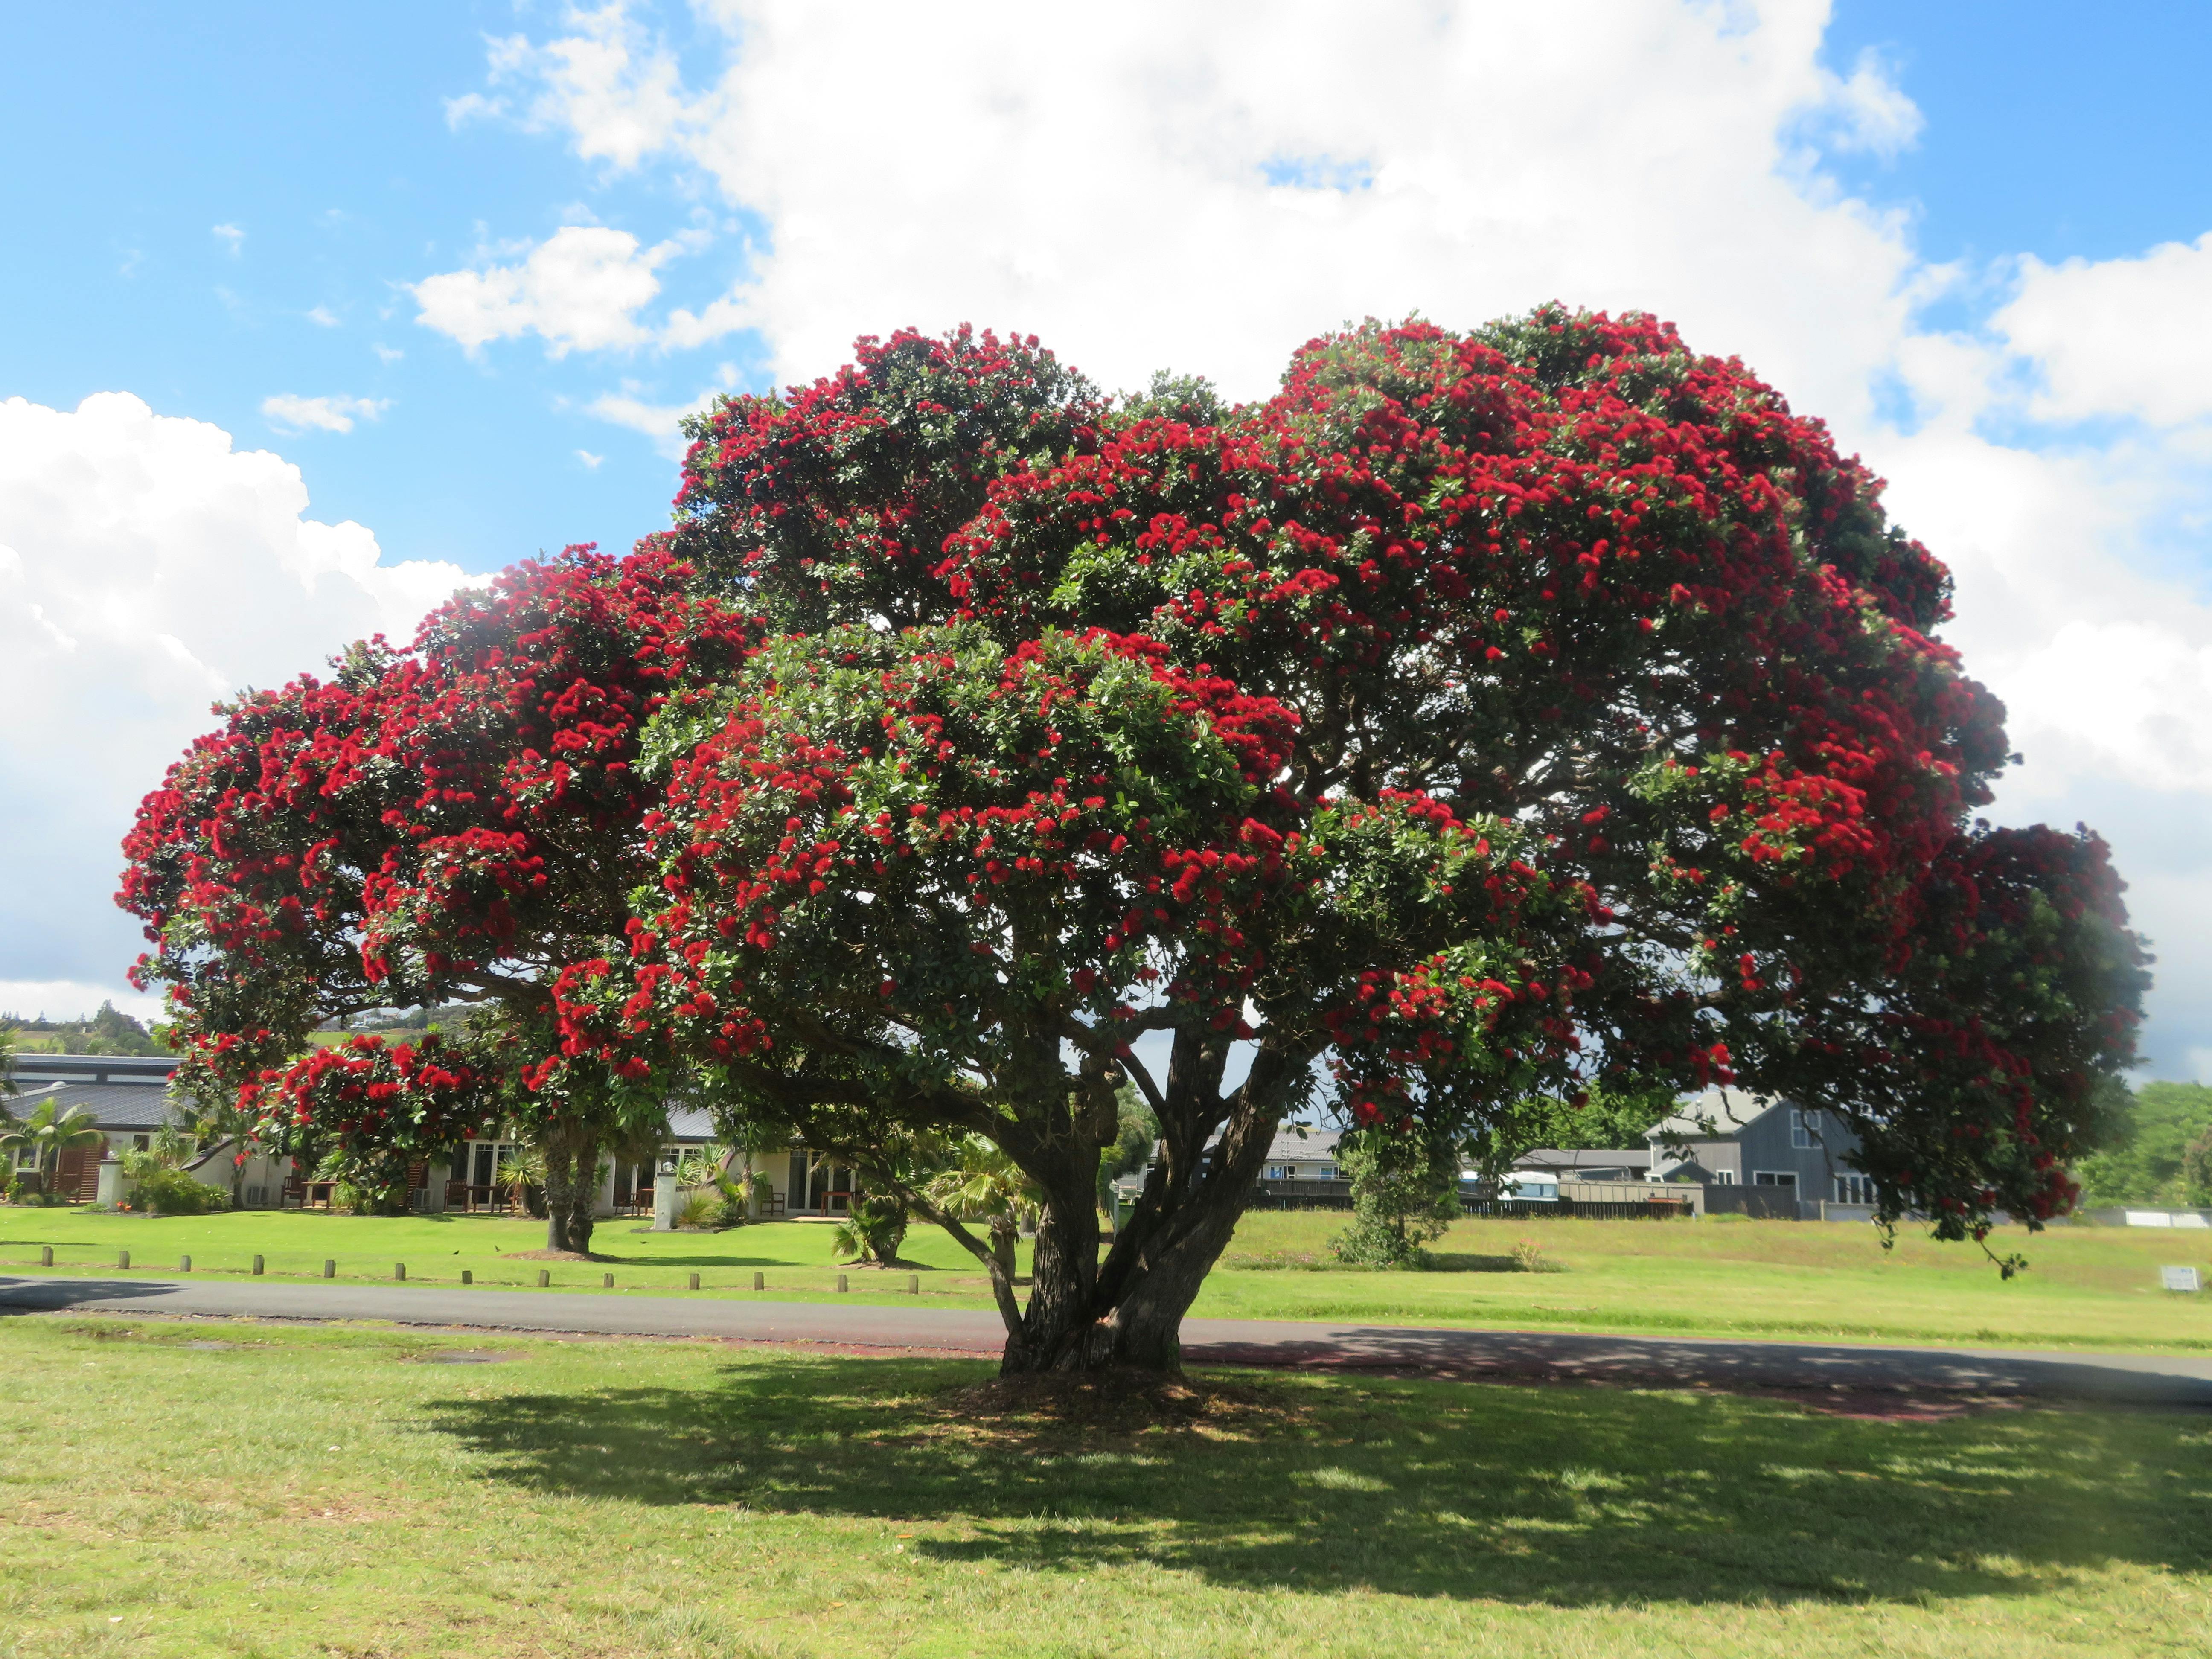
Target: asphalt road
{"points": [[2110, 1378]]}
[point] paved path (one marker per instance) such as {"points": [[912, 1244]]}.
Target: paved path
{"points": [[2136, 1379]]}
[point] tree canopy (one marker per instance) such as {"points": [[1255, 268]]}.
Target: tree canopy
{"points": [[2145, 1160], [462, 819], [1482, 716]]}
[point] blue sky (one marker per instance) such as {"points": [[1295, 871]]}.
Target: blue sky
{"points": [[444, 273], [322, 136]]}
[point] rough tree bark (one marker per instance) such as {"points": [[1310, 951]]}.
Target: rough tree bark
{"points": [[571, 1160]]}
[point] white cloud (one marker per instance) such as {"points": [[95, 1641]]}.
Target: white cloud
{"points": [[323, 316], [2118, 337], [288, 413], [580, 289], [631, 408], [618, 92], [386, 354], [146, 568], [231, 235], [590, 461], [1870, 112], [1127, 204]]}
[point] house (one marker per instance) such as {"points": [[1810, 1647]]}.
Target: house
{"points": [[797, 1181], [1301, 1152], [1758, 1156], [128, 1098], [127, 1095]]}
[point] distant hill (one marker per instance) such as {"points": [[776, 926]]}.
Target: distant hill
{"points": [[110, 1031]]}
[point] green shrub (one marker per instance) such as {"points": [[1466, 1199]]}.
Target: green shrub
{"points": [[700, 1210], [1405, 1194], [172, 1192]]}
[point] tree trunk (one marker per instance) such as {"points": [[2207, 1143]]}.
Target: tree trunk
{"points": [[1127, 1312], [571, 1164]]}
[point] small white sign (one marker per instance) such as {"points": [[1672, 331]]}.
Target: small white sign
{"points": [[2149, 1218], [2180, 1279]]}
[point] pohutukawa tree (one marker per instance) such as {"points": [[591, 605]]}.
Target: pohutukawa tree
{"points": [[1481, 716], [461, 820]]}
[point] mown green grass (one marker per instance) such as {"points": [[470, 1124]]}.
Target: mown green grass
{"points": [[2087, 1287], [334, 1491]]}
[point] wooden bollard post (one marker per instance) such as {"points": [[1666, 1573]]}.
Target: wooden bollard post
{"points": [[694, 1281], [184, 1264], [45, 1255], [257, 1267], [544, 1277], [913, 1284], [760, 1281], [122, 1258], [606, 1281], [841, 1284], [467, 1277], [330, 1268], [399, 1270]]}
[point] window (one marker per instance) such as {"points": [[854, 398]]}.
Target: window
{"points": [[1854, 1190], [1804, 1128], [1326, 1172], [1724, 1177], [1278, 1172], [142, 1143], [1774, 1178]]}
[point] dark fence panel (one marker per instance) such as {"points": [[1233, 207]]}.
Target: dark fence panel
{"points": [[1295, 1195], [1762, 1203]]}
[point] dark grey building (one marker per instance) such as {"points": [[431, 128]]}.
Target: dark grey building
{"points": [[1792, 1159]]}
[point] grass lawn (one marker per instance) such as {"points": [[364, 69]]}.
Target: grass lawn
{"points": [[190, 1488], [2088, 1287]]}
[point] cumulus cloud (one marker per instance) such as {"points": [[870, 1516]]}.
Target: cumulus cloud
{"points": [[288, 413], [2123, 337], [146, 567], [580, 290], [631, 408], [230, 235]]}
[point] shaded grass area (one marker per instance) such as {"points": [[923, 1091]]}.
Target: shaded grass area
{"points": [[242, 1490], [2087, 1287]]}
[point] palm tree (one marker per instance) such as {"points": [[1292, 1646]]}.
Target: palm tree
{"points": [[520, 1170], [49, 1134], [983, 1185]]}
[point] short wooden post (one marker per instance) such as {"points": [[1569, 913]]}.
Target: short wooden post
{"points": [[122, 1258], [760, 1281], [467, 1277], [45, 1255], [257, 1267], [184, 1264], [330, 1268], [606, 1281], [913, 1284], [841, 1284], [544, 1277], [399, 1270], [694, 1281]]}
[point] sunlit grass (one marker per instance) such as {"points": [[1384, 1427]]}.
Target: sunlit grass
{"points": [[190, 1488], [2087, 1287]]}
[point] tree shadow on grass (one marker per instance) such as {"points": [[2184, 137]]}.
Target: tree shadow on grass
{"points": [[1564, 1494]]}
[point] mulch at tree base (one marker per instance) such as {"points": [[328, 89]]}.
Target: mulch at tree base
{"points": [[553, 1255]]}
